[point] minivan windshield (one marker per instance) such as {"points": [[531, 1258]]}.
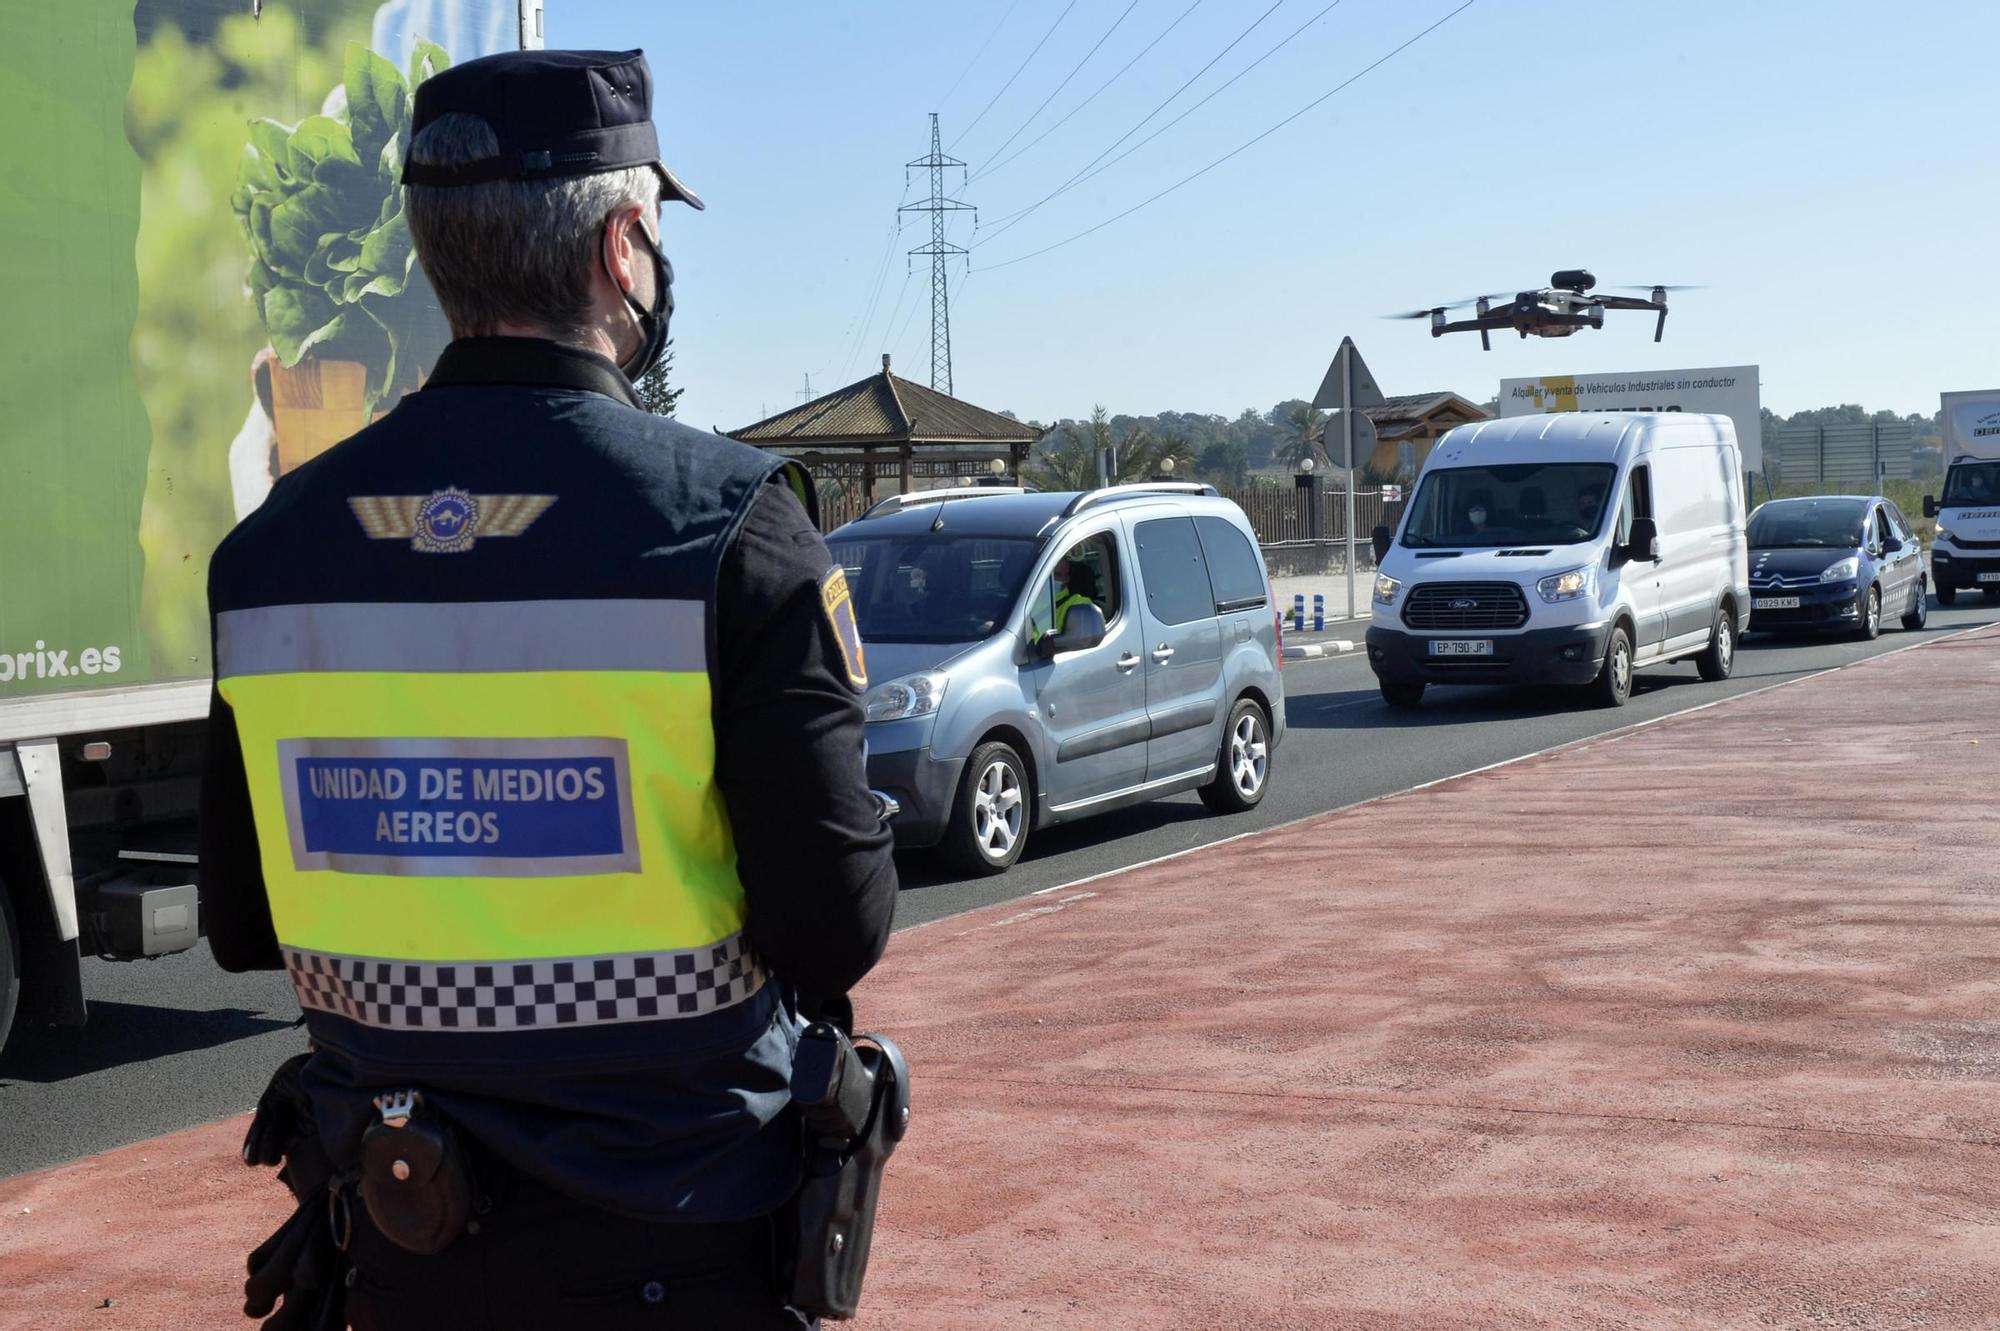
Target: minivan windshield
{"points": [[1972, 483], [933, 587], [1525, 503], [1808, 524]]}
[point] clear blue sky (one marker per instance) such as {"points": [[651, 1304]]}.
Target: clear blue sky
{"points": [[1827, 168]]}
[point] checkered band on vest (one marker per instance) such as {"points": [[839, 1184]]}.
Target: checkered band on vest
{"points": [[525, 995]]}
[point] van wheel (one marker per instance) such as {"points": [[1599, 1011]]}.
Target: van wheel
{"points": [[1946, 593], [1614, 682], [1719, 657], [1404, 697], [10, 965], [989, 820], [1871, 613], [1243, 767], [1920, 609]]}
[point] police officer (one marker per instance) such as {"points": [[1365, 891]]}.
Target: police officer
{"points": [[536, 760]]}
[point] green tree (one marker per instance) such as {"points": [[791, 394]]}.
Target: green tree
{"points": [[1301, 422], [1225, 461], [1067, 459], [653, 391]]}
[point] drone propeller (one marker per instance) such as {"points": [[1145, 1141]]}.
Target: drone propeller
{"points": [[1439, 309], [1663, 286]]}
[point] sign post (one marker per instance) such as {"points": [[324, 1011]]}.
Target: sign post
{"points": [[1348, 387]]}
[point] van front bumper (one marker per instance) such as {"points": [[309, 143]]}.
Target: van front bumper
{"points": [[1952, 571], [923, 786], [1571, 655]]}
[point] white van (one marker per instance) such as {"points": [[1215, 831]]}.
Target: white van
{"points": [[1565, 549]]}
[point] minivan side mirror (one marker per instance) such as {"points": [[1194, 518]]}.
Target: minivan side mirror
{"points": [[1930, 506], [1082, 627], [1382, 537], [1644, 543]]}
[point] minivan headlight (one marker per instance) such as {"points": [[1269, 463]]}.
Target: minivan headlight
{"points": [[1841, 570], [1386, 588], [1944, 534], [900, 699], [1569, 584]]}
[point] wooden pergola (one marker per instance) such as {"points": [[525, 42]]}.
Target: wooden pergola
{"points": [[887, 426]]}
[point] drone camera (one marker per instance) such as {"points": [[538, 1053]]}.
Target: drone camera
{"points": [[1575, 279]]}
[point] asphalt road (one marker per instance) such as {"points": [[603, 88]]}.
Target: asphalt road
{"points": [[175, 1042]]}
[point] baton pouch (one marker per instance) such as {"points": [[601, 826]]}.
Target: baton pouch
{"points": [[415, 1179], [833, 1214]]}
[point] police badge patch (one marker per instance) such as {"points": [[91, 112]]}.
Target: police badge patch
{"points": [[836, 602], [447, 521]]}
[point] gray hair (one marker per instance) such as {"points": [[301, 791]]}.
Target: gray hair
{"points": [[511, 251]]}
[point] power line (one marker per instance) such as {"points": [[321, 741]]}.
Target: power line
{"points": [[1213, 94], [1147, 117], [1074, 71], [940, 251], [1016, 74], [995, 166], [867, 317], [1189, 179], [980, 52]]}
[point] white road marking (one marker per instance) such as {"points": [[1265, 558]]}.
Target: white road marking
{"points": [[1622, 732]]}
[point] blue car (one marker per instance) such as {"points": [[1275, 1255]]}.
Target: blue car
{"points": [[1835, 562]]}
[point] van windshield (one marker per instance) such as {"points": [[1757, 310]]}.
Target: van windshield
{"points": [[1526, 503], [933, 587], [1972, 483], [1808, 524]]}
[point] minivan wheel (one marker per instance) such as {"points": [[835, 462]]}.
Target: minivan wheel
{"points": [[1403, 696], [1946, 593], [1243, 767], [1871, 612], [1614, 681], [1719, 657], [1920, 609], [989, 821]]}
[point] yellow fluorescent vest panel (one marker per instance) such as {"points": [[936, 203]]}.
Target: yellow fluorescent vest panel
{"points": [[683, 894]]}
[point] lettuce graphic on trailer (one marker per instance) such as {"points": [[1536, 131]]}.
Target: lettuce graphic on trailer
{"points": [[333, 273]]}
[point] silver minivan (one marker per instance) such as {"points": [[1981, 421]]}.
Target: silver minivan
{"points": [[1038, 658]]}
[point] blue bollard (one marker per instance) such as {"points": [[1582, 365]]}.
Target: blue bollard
{"points": [[1298, 612], [1319, 612]]}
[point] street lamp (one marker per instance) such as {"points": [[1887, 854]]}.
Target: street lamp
{"points": [[1167, 466], [1306, 466], [997, 466]]}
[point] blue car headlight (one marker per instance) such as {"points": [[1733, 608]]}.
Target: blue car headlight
{"points": [[1842, 570]]}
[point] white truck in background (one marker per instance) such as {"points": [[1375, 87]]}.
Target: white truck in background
{"points": [[1966, 555], [207, 281]]}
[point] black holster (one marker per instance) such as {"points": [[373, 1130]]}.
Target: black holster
{"points": [[855, 1099]]}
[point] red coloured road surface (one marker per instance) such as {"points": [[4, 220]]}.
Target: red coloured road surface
{"points": [[1697, 1026]]}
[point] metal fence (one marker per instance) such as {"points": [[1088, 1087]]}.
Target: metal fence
{"points": [[1281, 516], [1846, 455]]}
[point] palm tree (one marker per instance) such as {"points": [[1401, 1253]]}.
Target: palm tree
{"points": [[1303, 420], [1067, 460]]}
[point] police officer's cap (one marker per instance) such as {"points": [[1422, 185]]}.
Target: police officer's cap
{"points": [[556, 113]]}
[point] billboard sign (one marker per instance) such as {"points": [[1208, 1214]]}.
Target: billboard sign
{"points": [[1728, 390], [209, 281]]}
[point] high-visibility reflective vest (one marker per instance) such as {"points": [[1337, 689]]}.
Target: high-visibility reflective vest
{"points": [[1063, 605], [473, 688]]}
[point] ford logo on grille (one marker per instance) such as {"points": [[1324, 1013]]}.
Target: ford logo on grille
{"points": [[1465, 603]]}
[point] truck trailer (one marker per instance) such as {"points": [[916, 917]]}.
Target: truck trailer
{"points": [[1966, 554], [209, 281]]}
